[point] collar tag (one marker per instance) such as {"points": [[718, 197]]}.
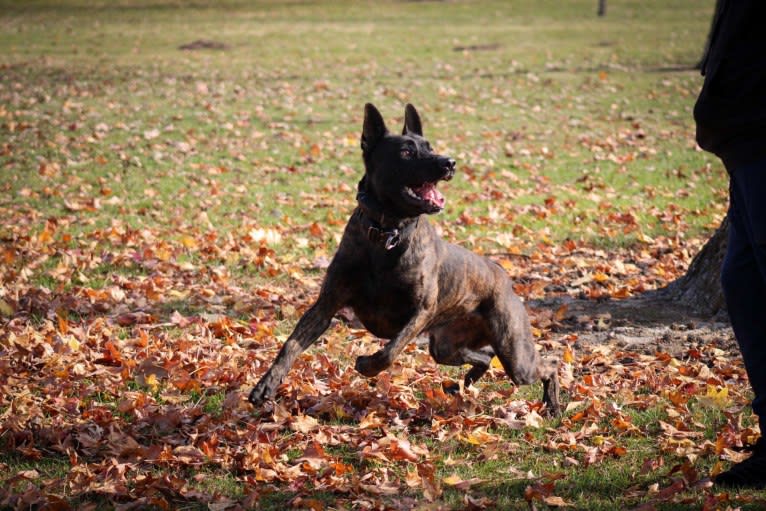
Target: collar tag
{"points": [[393, 239]]}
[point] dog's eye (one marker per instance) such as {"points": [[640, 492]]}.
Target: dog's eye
{"points": [[407, 153]]}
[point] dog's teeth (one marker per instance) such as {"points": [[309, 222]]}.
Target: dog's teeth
{"points": [[410, 192]]}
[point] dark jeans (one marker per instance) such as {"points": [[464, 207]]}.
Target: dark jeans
{"points": [[743, 275]]}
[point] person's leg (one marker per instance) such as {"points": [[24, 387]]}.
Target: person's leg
{"points": [[743, 278], [743, 275]]}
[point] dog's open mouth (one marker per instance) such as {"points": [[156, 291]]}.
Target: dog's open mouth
{"points": [[427, 193]]}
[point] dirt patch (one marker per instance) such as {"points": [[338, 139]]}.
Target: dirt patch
{"points": [[477, 47], [204, 44], [644, 324]]}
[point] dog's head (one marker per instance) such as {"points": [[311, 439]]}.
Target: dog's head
{"points": [[401, 171]]}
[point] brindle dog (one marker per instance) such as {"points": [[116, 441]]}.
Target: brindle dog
{"points": [[402, 280]]}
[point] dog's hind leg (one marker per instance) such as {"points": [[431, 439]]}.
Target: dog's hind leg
{"points": [[480, 360], [550, 377], [462, 342], [512, 342], [527, 368]]}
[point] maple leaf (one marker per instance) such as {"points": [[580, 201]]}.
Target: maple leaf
{"points": [[715, 398]]}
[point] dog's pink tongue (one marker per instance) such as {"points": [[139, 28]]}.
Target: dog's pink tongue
{"points": [[429, 192]]}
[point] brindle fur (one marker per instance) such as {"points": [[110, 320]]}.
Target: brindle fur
{"points": [[464, 302]]}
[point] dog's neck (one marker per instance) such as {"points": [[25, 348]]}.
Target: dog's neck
{"points": [[381, 228], [373, 210]]}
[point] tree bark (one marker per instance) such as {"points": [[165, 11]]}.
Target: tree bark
{"points": [[700, 288]]}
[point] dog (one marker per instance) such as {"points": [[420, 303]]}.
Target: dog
{"points": [[402, 280]]}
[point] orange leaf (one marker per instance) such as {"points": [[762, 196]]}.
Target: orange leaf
{"points": [[567, 357], [189, 242], [316, 230], [561, 313], [600, 277]]}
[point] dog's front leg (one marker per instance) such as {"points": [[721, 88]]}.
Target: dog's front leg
{"points": [[311, 325], [370, 365]]}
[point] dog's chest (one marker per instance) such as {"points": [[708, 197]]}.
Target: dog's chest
{"points": [[386, 297]]}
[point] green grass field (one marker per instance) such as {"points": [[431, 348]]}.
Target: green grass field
{"points": [[165, 216]]}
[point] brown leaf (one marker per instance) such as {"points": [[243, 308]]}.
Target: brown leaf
{"points": [[431, 488], [189, 454], [555, 501], [303, 423]]}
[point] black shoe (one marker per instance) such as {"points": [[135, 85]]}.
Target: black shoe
{"points": [[750, 473]]}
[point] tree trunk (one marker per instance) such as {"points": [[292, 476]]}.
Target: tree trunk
{"points": [[601, 7], [700, 288]]}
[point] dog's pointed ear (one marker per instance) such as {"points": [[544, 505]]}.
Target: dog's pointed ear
{"points": [[412, 122], [373, 129]]}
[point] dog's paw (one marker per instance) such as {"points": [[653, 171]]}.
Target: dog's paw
{"points": [[552, 410], [369, 365], [261, 393]]}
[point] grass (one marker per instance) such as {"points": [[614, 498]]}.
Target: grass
{"points": [[241, 117], [137, 160]]}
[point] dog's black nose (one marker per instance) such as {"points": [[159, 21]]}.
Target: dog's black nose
{"points": [[448, 164]]}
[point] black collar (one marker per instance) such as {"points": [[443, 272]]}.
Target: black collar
{"points": [[379, 227]]}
